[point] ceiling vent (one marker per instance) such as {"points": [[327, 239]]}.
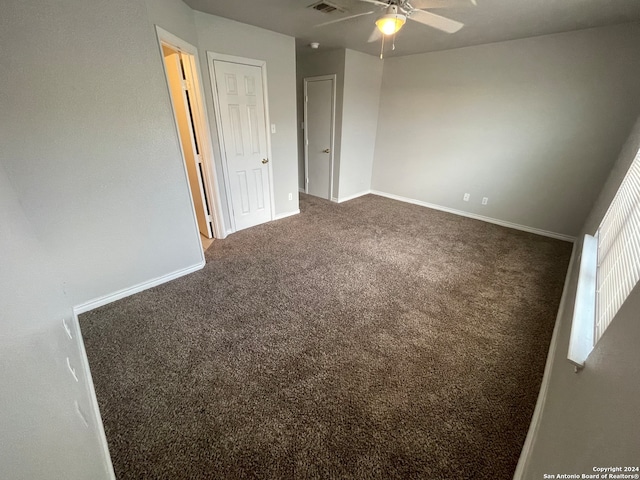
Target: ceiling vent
{"points": [[326, 7]]}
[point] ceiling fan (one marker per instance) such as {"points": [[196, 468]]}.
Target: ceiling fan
{"points": [[397, 12]]}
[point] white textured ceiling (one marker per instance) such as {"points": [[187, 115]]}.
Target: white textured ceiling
{"points": [[489, 21]]}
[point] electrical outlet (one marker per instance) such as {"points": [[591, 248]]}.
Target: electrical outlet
{"points": [[466, 197], [485, 200], [290, 196]]}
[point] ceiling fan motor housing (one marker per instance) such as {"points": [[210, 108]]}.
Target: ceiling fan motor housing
{"points": [[392, 10]]}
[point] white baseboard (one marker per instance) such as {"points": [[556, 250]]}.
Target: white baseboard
{"points": [[95, 409], [355, 195], [534, 426], [286, 214], [301, 190], [112, 297], [98, 302], [334, 199], [516, 226]]}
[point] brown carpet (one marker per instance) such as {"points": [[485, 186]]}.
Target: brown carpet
{"points": [[370, 339]]}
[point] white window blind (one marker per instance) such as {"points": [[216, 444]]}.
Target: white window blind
{"points": [[618, 250]]}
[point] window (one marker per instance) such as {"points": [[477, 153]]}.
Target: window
{"points": [[618, 237], [609, 267]]}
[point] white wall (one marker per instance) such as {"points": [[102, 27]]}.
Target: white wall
{"points": [[42, 436], [591, 418], [314, 63], [176, 17], [533, 124], [362, 83], [93, 199], [224, 36]]}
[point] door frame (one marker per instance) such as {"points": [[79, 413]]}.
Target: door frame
{"points": [[211, 57], [333, 132], [201, 124]]}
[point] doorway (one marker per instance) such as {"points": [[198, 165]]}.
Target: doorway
{"points": [[239, 88], [319, 123], [183, 79]]}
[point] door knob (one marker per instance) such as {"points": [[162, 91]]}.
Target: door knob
{"points": [[265, 160], [326, 150]]}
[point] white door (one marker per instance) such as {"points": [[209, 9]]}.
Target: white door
{"points": [[242, 112], [319, 122], [181, 100]]}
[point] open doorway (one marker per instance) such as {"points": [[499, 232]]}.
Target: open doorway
{"points": [[183, 80]]}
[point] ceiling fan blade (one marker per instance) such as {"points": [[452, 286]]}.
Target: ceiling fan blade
{"points": [[343, 19], [430, 4], [375, 35], [435, 21], [377, 2]]}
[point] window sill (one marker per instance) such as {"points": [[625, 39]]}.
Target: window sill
{"points": [[584, 312]]}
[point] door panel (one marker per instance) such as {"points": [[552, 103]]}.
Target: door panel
{"points": [[319, 128], [243, 124], [236, 128], [188, 139]]}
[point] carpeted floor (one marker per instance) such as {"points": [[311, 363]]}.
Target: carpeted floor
{"points": [[369, 339]]}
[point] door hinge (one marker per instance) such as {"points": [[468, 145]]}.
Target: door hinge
{"points": [[209, 219], [199, 158]]}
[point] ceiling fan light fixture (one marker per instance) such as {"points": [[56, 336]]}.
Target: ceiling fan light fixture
{"points": [[392, 22]]}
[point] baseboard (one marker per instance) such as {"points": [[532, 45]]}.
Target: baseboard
{"points": [[503, 223], [355, 195], [98, 302], [334, 199], [534, 426], [112, 297], [302, 190], [286, 214], [95, 413]]}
